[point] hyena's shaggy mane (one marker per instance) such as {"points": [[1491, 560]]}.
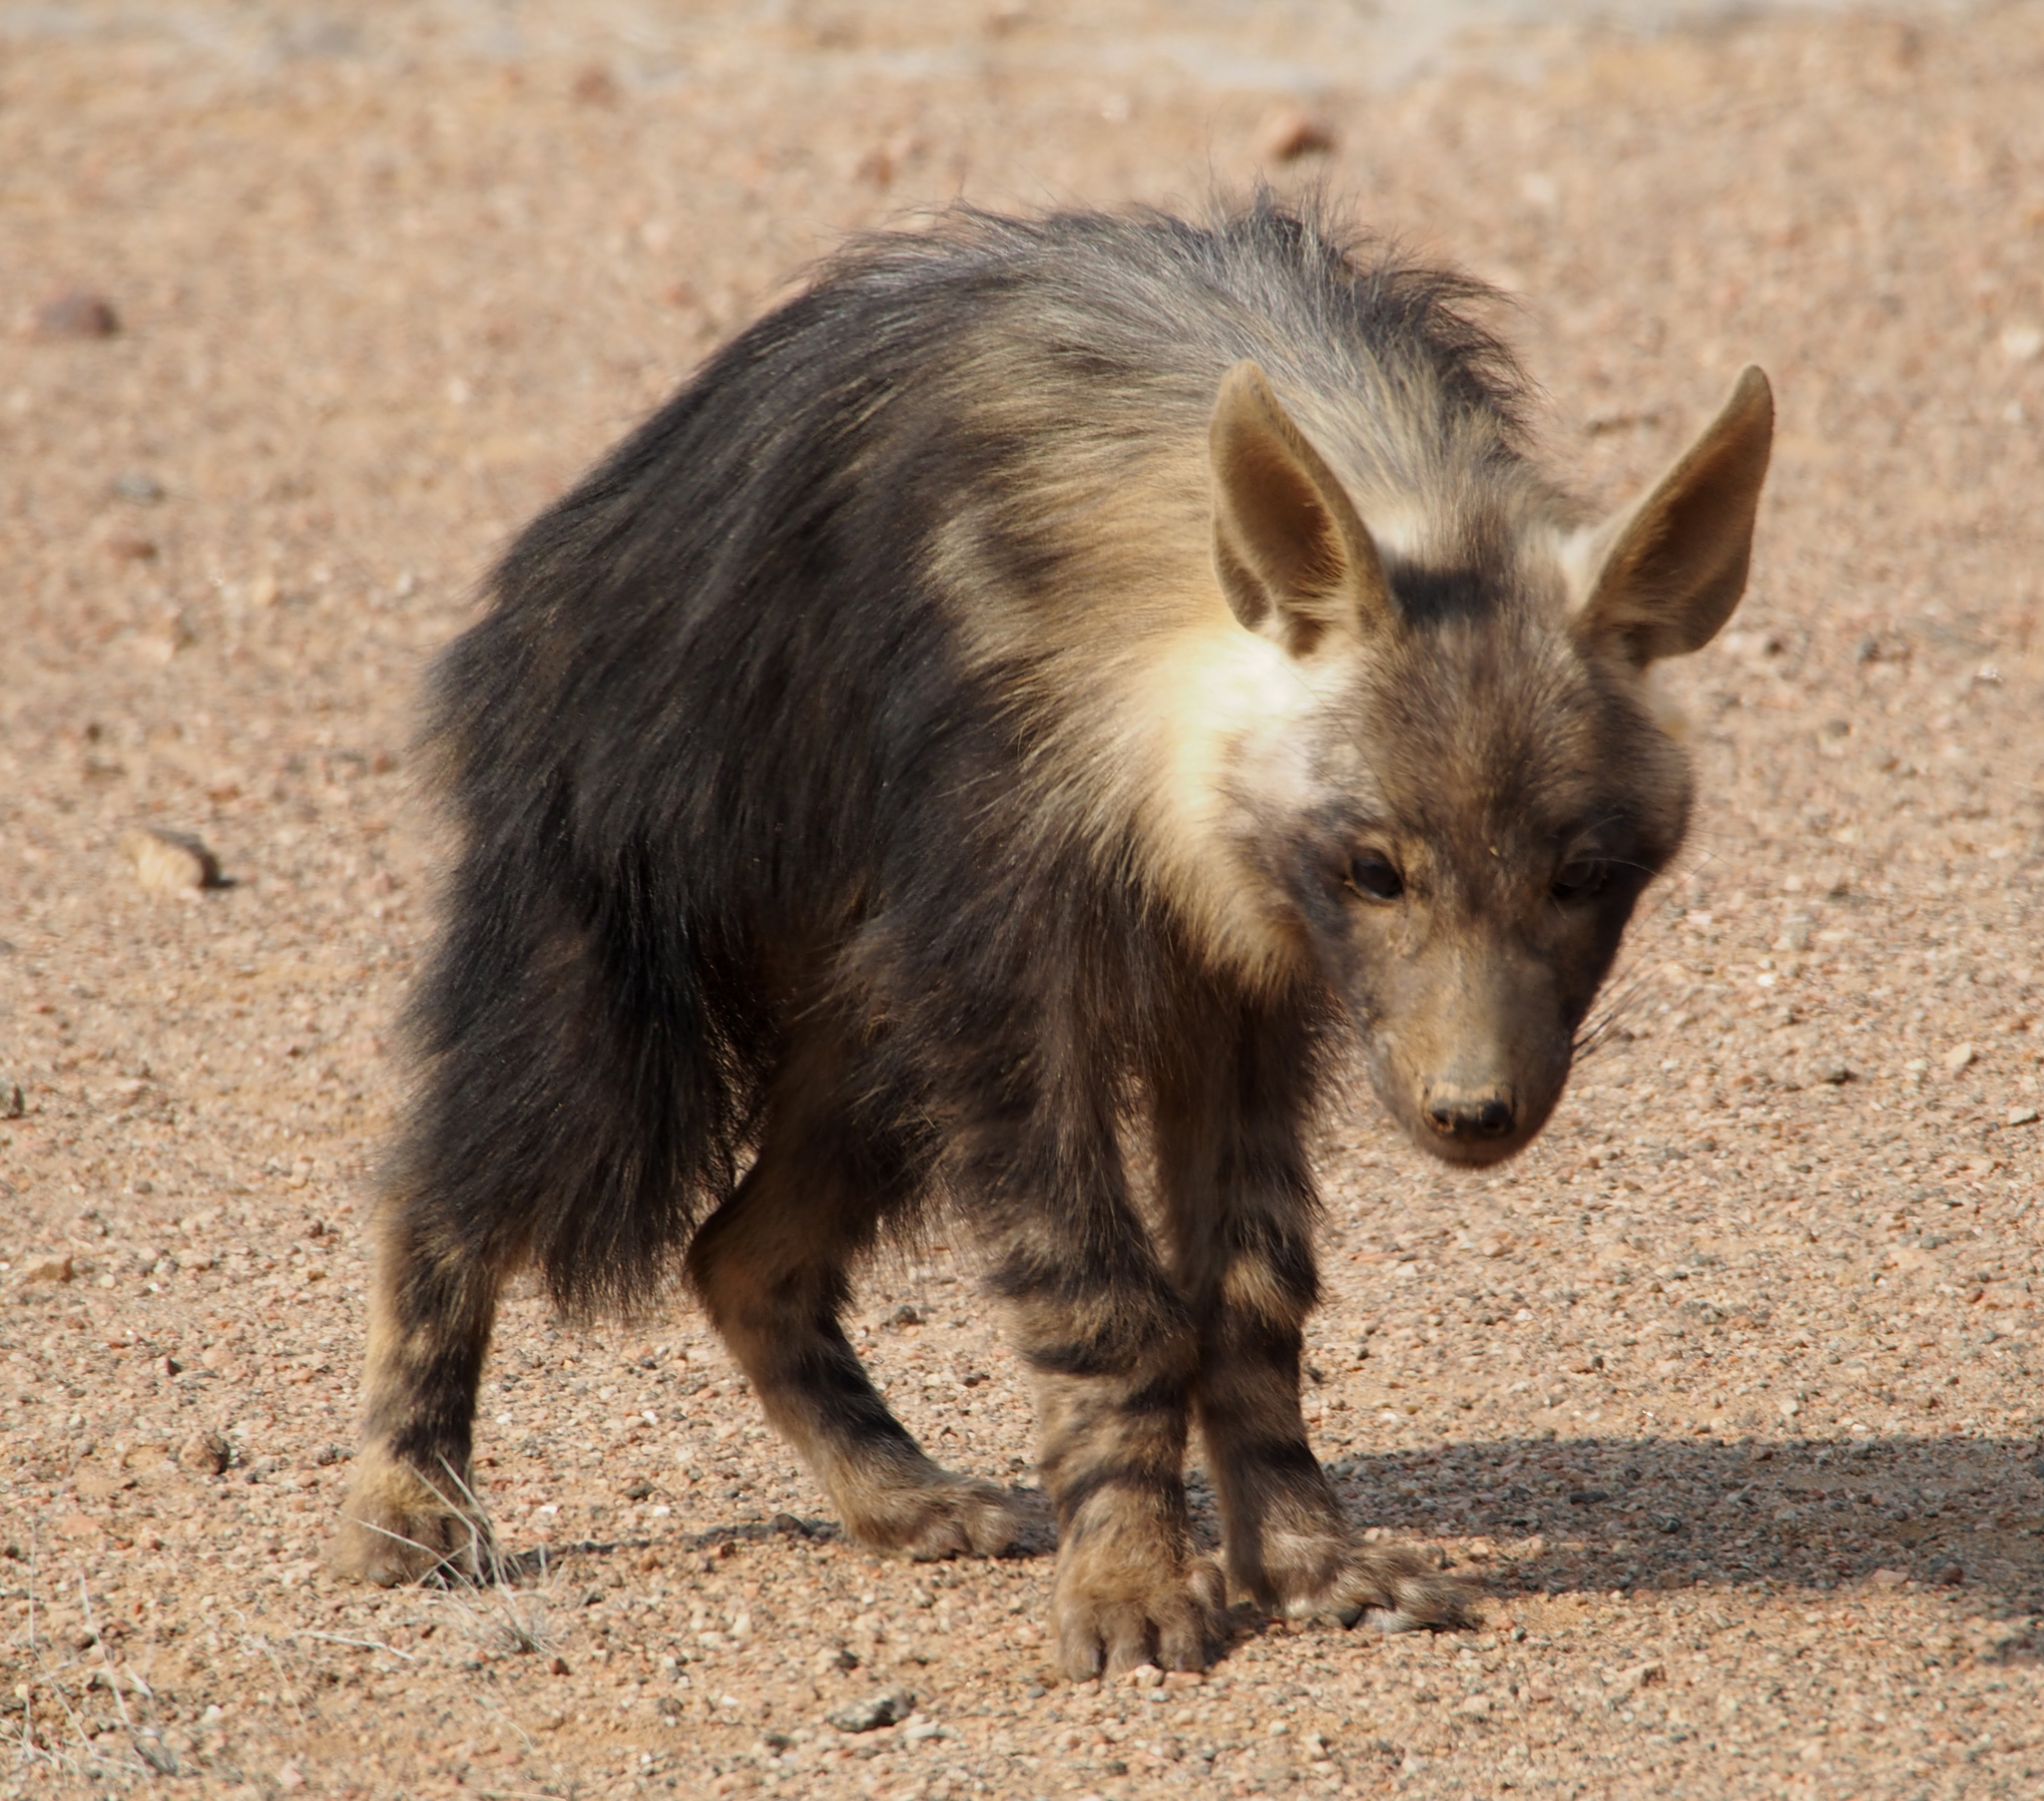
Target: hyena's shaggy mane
{"points": [[816, 713]]}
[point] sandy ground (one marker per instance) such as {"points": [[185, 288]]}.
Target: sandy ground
{"points": [[1727, 1389]]}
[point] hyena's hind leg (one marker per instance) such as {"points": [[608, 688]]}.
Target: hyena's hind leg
{"points": [[1240, 1204], [410, 1509], [770, 1266]]}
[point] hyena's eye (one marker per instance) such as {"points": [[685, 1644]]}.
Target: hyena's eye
{"points": [[1372, 873], [1579, 880]]}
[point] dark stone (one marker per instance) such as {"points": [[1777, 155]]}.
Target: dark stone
{"points": [[78, 312]]}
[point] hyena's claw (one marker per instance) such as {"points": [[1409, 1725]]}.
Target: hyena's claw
{"points": [[1393, 1590], [953, 1517], [1169, 1624]]}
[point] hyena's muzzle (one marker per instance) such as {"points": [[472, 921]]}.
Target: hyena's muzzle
{"points": [[1471, 1050]]}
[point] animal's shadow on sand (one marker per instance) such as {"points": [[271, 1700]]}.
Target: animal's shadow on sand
{"points": [[714, 1544], [1590, 1515], [1961, 1517]]}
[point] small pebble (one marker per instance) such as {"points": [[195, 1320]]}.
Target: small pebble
{"points": [[1291, 132], [595, 86], [2022, 343], [1958, 1058], [206, 1454], [167, 862], [77, 313], [48, 1269], [887, 1708]]}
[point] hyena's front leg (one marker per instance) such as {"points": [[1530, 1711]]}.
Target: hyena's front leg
{"points": [[1239, 1204], [1112, 1352], [1289, 1544], [410, 1509]]}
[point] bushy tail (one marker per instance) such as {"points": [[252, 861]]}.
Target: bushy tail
{"points": [[580, 1100]]}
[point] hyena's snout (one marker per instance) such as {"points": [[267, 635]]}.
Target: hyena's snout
{"points": [[1472, 1062], [1476, 1109], [1470, 1112]]}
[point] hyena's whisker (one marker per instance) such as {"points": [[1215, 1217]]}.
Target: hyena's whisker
{"points": [[1621, 998]]}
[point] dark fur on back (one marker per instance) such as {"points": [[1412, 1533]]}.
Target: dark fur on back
{"points": [[717, 757]]}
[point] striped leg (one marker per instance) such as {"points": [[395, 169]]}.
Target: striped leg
{"points": [[1240, 1205], [1107, 1339], [771, 1267], [409, 1507]]}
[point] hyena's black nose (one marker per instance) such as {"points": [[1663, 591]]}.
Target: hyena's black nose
{"points": [[1459, 1113]]}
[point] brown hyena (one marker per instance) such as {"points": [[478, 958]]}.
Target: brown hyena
{"points": [[1053, 681]]}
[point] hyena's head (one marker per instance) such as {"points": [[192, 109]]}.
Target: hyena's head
{"points": [[1474, 789]]}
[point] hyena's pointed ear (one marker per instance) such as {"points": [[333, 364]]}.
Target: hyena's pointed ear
{"points": [[1662, 577], [1294, 558]]}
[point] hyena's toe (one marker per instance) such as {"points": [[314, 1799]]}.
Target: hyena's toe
{"points": [[1395, 1590], [951, 1518], [397, 1528], [1110, 1621]]}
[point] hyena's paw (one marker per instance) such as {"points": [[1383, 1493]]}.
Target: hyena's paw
{"points": [[1391, 1587], [1113, 1611], [949, 1517], [397, 1528]]}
